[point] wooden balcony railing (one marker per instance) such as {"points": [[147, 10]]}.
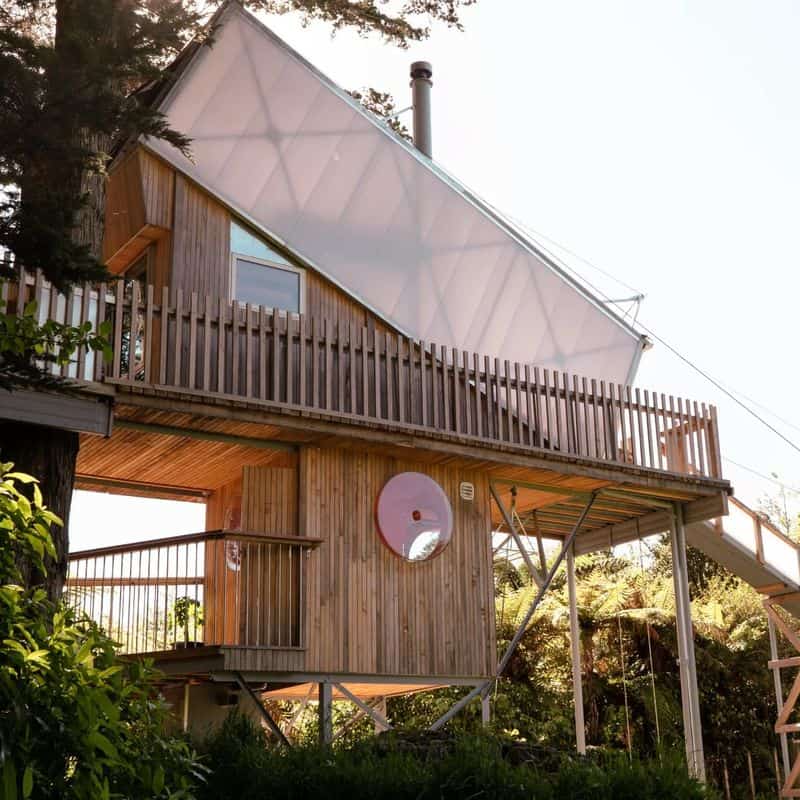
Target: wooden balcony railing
{"points": [[213, 588], [207, 346]]}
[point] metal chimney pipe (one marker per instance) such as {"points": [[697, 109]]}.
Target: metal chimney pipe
{"points": [[421, 83]]}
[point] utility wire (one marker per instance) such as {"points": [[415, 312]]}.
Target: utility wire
{"points": [[762, 475], [658, 338]]}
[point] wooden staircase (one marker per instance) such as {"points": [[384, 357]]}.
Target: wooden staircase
{"points": [[752, 548]]}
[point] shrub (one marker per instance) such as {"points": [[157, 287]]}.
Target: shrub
{"points": [[76, 722], [245, 767]]}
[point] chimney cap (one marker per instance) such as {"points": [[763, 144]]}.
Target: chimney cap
{"points": [[422, 69]]}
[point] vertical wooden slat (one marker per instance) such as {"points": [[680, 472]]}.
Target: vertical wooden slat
{"points": [[364, 371], [596, 421], [445, 387], [275, 393], [434, 387], [118, 314], [580, 442], [302, 399], [649, 418], [263, 345], [699, 438], [351, 366], [663, 433], [642, 455], [289, 378], [21, 291], [623, 430], [673, 440], [629, 406], [498, 404], [490, 399], [236, 311], [221, 310], [537, 408], [327, 343], [339, 367], [147, 350], [192, 339], [388, 366], [690, 435], [423, 381], [402, 380], [84, 318], [569, 426], [714, 450], [529, 406], [99, 364], [509, 410], [314, 363], [249, 366], [178, 357], [206, 382], [162, 356], [412, 388], [376, 356], [586, 417], [476, 365], [468, 392], [456, 392], [546, 378], [607, 420]]}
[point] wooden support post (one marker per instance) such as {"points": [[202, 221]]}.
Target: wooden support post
{"points": [[486, 708], [776, 674], [575, 648], [690, 702], [370, 710], [325, 714], [186, 689], [380, 708]]}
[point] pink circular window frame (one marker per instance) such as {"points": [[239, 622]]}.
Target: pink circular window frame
{"points": [[410, 506]]}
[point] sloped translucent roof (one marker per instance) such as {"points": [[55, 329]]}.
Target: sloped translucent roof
{"points": [[297, 157]]}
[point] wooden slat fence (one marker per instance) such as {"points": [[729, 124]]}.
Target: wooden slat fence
{"points": [[214, 346]]}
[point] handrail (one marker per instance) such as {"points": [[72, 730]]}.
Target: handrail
{"points": [[222, 587], [191, 538], [216, 347]]}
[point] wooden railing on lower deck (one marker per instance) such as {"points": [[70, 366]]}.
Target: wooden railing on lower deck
{"points": [[217, 347], [213, 588]]}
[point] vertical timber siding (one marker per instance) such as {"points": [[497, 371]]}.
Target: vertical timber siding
{"points": [[368, 610], [201, 242]]}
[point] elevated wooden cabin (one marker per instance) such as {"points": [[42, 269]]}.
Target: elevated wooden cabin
{"points": [[273, 359]]}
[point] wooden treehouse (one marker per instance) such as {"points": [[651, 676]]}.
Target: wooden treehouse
{"points": [[363, 372]]}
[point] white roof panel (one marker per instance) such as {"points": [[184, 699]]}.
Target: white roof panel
{"points": [[296, 156]]}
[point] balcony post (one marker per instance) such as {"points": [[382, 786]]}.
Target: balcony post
{"points": [[690, 702], [325, 714], [575, 650]]}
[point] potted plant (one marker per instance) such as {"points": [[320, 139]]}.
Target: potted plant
{"points": [[186, 616]]}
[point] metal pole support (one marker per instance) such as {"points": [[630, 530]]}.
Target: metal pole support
{"points": [[575, 649], [690, 701]]}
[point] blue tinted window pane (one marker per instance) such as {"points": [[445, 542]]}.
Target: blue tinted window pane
{"points": [[246, 244], [267, 286]]}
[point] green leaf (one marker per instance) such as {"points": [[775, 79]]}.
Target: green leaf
{"points": [[158, 779], [101, 743], [9, 781], [27, 782], [21, 477]]}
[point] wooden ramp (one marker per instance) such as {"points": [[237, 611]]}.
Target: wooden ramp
{"points": [[761, 555]]}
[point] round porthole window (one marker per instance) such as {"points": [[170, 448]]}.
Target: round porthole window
{"points": [[414, 516]]}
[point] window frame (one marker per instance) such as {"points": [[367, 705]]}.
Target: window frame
{"points": [[267, 263]]}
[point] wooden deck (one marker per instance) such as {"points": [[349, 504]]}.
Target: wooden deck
{"points": [[307, 375]]}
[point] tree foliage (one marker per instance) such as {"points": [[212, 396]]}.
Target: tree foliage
{"points": [[76, 722]]}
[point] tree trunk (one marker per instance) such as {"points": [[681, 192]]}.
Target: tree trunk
{"points": [[49, 455]]}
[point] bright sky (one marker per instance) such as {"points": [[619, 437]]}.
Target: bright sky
{"points": [[656, 140]]}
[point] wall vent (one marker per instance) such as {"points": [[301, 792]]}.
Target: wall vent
{"points": [[466, 490]]}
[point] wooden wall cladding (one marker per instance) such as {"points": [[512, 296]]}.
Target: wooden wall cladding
{"points": [[201, 242], [125, 209], [324, 300], [269, 500], [158, 189], [368, 610]]}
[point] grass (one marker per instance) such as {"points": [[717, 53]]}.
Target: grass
{"points": [[245, 767]]}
